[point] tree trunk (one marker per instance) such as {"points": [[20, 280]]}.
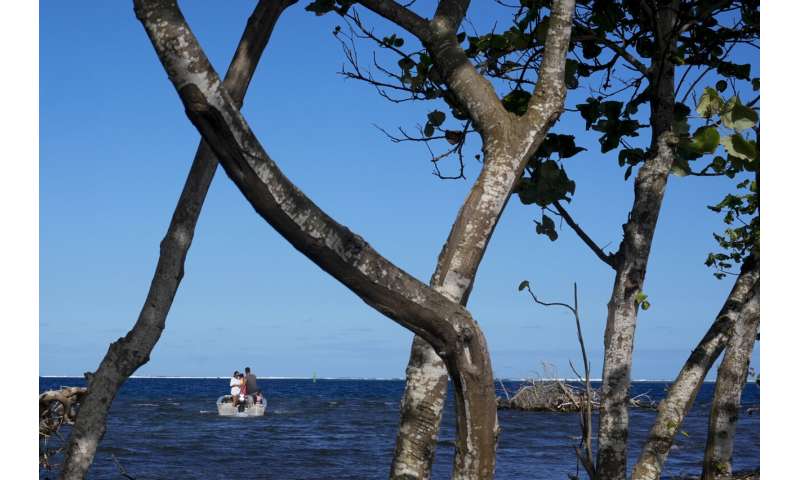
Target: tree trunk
{"points": [[631, 260], [511, 141], [426, 375], [674, 408], [420, 413], [129, 353], [731, 379]]}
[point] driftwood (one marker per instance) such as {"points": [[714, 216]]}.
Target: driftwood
{"points": [[559, 396], [548, 396], [56, 408]]}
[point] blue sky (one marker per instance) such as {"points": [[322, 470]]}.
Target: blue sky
{"points": [[115, 147]]}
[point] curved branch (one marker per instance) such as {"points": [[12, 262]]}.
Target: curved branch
{"points": [[606, 258], [550, 304]]}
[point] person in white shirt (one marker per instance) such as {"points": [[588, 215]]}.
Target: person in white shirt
{"points": [[236, 387]]}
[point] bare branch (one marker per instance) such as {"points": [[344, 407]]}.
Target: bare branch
{"points": [[606, 258], [549, 304], [586, 410]]}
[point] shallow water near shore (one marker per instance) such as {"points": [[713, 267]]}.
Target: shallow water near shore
{"points": [[169, 428]]}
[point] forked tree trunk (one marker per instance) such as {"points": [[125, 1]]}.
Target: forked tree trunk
{"points": [[683, 391], [508, 143], [632, 257], [426, 375], [131, 352], [731, 379]]}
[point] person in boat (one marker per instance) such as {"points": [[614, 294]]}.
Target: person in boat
{"points": [[251, 384], [236, 387]]}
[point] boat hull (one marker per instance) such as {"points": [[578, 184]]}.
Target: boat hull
{"points": [[225, 407]]}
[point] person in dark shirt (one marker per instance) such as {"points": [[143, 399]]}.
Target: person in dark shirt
{"points": [[251, 383]]}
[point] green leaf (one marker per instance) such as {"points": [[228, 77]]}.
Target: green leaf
{"points": [[523, 285], [631, 156], [645, 305], [728, 69], [436, 118], [547, 227], [540, 32], [739, 117], [563, 145], [571, 74], [710, 103], [590, 111], [321, 7], [639, 297], [406, 64], [548, 183], [705, 139], [738, 147], [453, 137]]}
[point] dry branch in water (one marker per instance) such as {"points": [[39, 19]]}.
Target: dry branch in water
{"points": [[539, 395], [56, 408], [548, 396]]}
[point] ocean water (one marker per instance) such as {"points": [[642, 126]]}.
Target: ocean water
{"points": [[163, 428]]}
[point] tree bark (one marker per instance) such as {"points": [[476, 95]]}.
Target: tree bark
{"points": [[731, 379], [632, 257], [508, 143], [683, 391], [129, 353]]}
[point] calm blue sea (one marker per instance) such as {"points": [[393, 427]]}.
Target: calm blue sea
{"points": [[324, 429]]}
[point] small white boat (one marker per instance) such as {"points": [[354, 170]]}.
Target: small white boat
{"points": [[247, 408]]}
